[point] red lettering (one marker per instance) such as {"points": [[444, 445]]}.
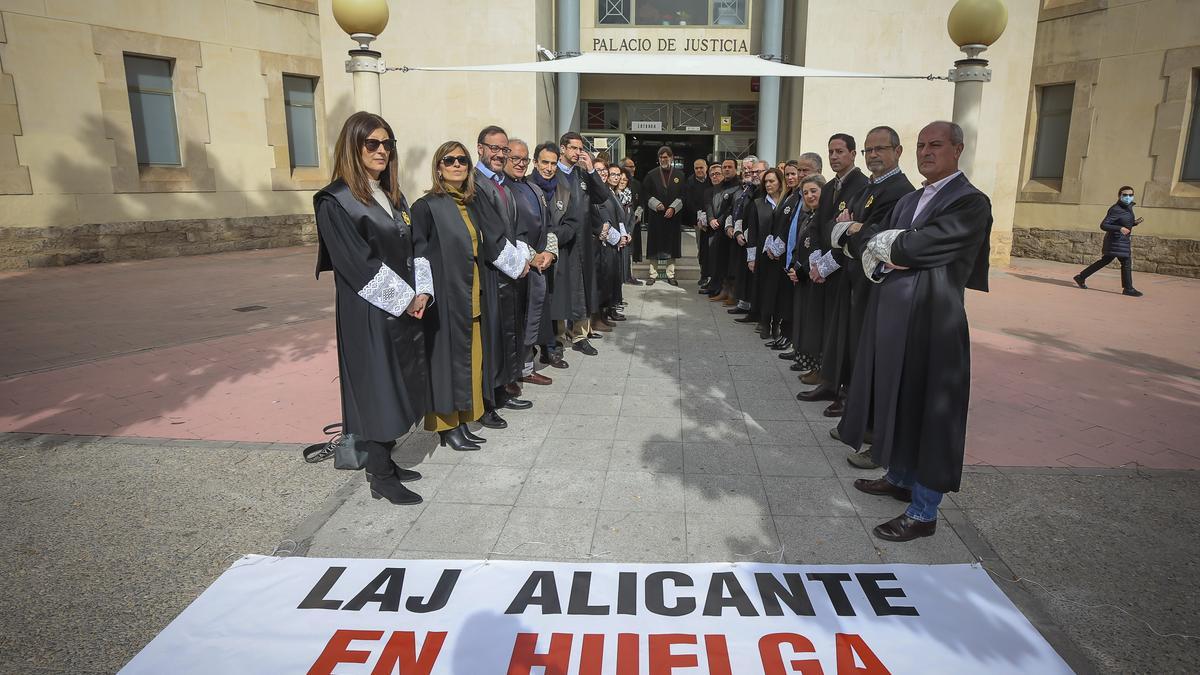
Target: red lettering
{"points": [[336, 651], [662, 661], [850, 645], [628, 654], [718, 655], [591, 661], [401, 652], [772, 659], [525, 656]]}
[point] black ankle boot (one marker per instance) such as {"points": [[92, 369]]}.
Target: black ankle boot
{"points": [[391, 489], [470, 436], [455, 439]]}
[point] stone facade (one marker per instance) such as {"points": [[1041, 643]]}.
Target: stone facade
{"points": [[58, 245], [1178, 257]]}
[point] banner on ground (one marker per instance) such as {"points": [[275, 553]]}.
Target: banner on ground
{"points": [[426, 617]]}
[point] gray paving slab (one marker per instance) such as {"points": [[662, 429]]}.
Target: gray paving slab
{"points": [[640, 536], [654, 456], [820, 540], [725, 494], [807, 496], [542, 532], [464, 529], [643, 491], [576, 453], [558, 487], [791, 460], [718, 459], [731, 537], [481, 484]]}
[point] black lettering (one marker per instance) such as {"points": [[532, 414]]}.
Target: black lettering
{"points": [[833, 588], [771, 590], [724, 590], [627, 593], [644, 44], [671, 44], [878, 597], [662, 44], [540, 589], [743, 48], [439, 597], [389, 599], [581, 585], [316, 597], [598, 45], [655, 591]]}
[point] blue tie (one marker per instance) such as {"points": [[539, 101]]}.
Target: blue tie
{"points": [[792, 236]]}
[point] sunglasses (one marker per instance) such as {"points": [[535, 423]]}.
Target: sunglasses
{"points": [[372, 144], [451, 160]]}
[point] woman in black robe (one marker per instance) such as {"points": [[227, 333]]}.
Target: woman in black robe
{"points": [[365, 239], [444, 231], [808, 299], [760, 224]]}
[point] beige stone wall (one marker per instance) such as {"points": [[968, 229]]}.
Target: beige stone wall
{"points": [[68, 106], [1133, 63]]}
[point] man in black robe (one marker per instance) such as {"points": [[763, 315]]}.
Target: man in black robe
{"points": [[710, 206], [587, 189], [512, 255], [638, 207], [719, 289], [872, 205], [664, 202], [826, 272], [533, 219], [912, 383], [693, 209], [743, 222]]}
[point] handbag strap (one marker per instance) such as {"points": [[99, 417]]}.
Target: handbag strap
{"points": [[319, 452]]}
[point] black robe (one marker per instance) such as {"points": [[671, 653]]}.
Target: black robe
{"points": [[710, 202], [743, 209], [533, 214], [808, 299], [635, 224], [667, 188], [758, 223], [719, 244], [441, 236], [849, 287], [381, 350], [774, 291], [608, 258], [913, 373], [500, 230], [834, 290], [570, 224]]}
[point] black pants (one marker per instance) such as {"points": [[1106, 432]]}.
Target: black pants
{"points": [[379, 457], [1126, 269]]}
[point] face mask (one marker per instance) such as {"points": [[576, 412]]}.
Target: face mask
{"points": [[1126, 199]]}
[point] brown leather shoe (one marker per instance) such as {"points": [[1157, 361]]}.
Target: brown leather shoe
{"points": [[719, 297], [601, 326], [537, 378], [882, 488], [512, 389], [821, 393], [729, 301], [811, 378], [903, 528], [835, 409]]}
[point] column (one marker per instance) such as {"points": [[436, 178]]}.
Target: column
{"points": [[768, 87], [566, 19]]}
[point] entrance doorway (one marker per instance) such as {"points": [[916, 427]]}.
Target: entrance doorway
{"points": [[643, 148]]}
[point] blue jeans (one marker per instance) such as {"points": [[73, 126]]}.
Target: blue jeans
{"points": [[925, 502]]}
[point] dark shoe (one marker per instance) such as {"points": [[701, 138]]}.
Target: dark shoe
{"points": [[704, 290], [1079, 281], [457, 440], [471, 435], [601, 326], [882, 488], [594, 335], [518, 404], [781, 344], [821, 393], [537, 378], [861, 459], [492, 420], [1132, 292], [703, 283], [512, 389], [737, 310], [650, 281], [835, 409], [671, 280], [614, 315], [749, 318], [811, 378], [389, 488], [789, 355], [406, 475], [795, 367], [554, 359], [584, 347], [903, 528]]}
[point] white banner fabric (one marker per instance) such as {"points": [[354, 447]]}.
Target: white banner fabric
{"points": [[425, 617]]}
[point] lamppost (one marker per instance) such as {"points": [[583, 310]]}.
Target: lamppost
{"points": [[363, 20], [974, 25]]}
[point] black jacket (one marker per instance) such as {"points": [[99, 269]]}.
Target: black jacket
{"points": [[1115, 243]]}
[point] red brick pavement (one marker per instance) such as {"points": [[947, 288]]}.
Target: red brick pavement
{"points": [[1062, 376]]}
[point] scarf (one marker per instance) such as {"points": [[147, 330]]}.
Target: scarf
{"points": [[625, 197], [548, 186]]}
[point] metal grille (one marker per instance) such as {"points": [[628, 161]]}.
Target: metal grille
{"points": [[611, 144], [648, 112], [613, 12], [744, 116], [729, 12], [605, 116], [735, 147], [693, 117]]}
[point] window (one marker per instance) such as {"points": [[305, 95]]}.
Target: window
{"points": [[299, 103], [743, 116], [671, 12], [1054, 124], [602, 116], [1191, 156], [152, 108]]}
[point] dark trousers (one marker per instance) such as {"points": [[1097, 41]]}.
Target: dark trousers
{"points": [[1126, 269], [379, 457]]}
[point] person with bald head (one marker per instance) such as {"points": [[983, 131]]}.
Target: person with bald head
{"points": [[912, 378]]}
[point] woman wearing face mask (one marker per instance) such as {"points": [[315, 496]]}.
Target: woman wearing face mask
{"points": [[1118, 227], [807, 307], [365, 239], [445, 232]]}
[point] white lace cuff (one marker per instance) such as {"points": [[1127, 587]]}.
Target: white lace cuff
{"points": [[826, 265], [751, 254], [387, 291], [511, 260], [527, 250], [654, 203], [878, 250], [424, 277], [839, 229], [552, 244], [677, 204], [613, 236], [737, 225], [621, 227]]}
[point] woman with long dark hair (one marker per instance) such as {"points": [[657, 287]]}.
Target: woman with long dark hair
{"points": [[365, 239], [446, 231]]}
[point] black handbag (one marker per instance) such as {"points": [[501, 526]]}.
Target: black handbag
{"points": [[343, 447]]}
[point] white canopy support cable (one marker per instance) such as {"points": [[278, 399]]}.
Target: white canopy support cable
{"points": [[603, 63]]}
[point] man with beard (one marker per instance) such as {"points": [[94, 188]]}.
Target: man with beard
{"points": [[638, 207], [587, 189], [664, 197], [752, 171], [533, 219], [913, 378], [500, 227], [826, 270]]}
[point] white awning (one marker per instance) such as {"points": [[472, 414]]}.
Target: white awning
{"points": [[603, 63]]}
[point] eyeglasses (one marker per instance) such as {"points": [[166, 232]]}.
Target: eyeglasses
{"points": [[877, 149], [518, 161], [372, 144], [498, 149], [451, 160]]}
